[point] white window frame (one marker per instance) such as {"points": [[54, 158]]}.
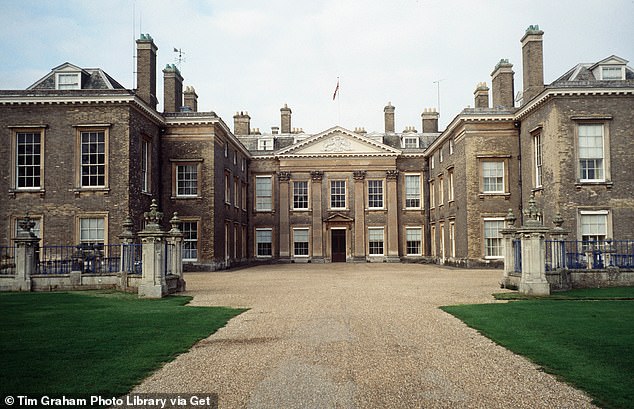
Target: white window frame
{"points": [[582, 156], [344, 194], [452, 239], [186, 167], [263, 199], [95, 228], [35, 168], [265, 144], [450, 184], [298, 233], [411, 142], [188, 239], [604, 213], [376, 194], [432, 195], [441, 191], [90, 166], [146, 149], [538, 162], [613, 68], [486, 188], [500, 223], [373, 239], [410, 196], [412, 230], [67, 85], [296, 194], [259, 233], [451, 146]]}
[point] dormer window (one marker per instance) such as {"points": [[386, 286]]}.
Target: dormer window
{"points": [[68, 81], [611, 73], [410, 142], [265, 144]]}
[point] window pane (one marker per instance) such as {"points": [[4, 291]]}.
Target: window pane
{"points": [[591, 152], [190, 240], [493, 238], [375, 241], [91, 230], [375, 193], [263, 242], [493, 177], [300, 195], [300, 242], [93, 159], [28, 158], [186, 180], [414, 241], [263, 193], [412, 191], [338, 194]]}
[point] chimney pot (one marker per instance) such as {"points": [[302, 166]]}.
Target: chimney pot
{"points": [[532, 63], [502, 87], [146, 70], [430, 120], [285, 122]]}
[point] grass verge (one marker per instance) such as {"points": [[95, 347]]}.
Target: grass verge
{"points": [[94, 343], [586, 339]]}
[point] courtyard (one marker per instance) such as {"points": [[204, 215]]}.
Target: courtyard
{"points": [[354, 336]]}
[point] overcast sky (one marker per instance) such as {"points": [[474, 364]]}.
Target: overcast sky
{"points": [[257, 55]]}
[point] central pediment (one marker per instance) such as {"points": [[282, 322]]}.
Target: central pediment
{"points": [[338, 141]]}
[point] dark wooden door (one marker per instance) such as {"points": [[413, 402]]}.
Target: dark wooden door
{"points": [[338, 238]]}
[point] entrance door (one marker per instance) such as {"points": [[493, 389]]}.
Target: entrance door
{"points": [[338, 239]]}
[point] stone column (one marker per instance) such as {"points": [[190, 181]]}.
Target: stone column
{"points": [[359, 215], [153, 282], [316, 177], [392, 216], [508, 235], [285, 244], [26, 255], [532, 234], [175, 241]]}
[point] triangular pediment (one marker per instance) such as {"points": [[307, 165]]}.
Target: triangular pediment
{"points": [[611, 60], [338, 141], [338, 217]]}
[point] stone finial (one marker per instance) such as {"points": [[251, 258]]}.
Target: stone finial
{"points": [[532, 213], [510, 218], [175, 222], [153, 218], [558, 221]]}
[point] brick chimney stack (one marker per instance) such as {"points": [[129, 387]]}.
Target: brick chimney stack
{"points": [[172, 89], [285, 124], [532, 63], [146, 70], [241, 123], [481, 94], [430, 120], [190, 98], [502, 85], [389, 118]]}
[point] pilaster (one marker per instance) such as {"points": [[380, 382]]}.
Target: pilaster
{"points": [[317, 223], [392, 216], [359, 215], [284, 178]]}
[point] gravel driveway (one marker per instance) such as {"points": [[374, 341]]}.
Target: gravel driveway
{"points": [[354, 336]]}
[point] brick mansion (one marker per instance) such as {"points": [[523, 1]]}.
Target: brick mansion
{"points": [[81, 154]]}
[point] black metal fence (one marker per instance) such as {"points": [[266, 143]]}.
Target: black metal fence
{"points": [[7, 260], [589, 254], [90, 259]]}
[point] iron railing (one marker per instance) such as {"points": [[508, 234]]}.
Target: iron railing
{"points": [[598, 254], [90, 259], [7, 260]]}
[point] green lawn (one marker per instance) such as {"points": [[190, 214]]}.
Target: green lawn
{"points": [[94, 343], [585, 337]]}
